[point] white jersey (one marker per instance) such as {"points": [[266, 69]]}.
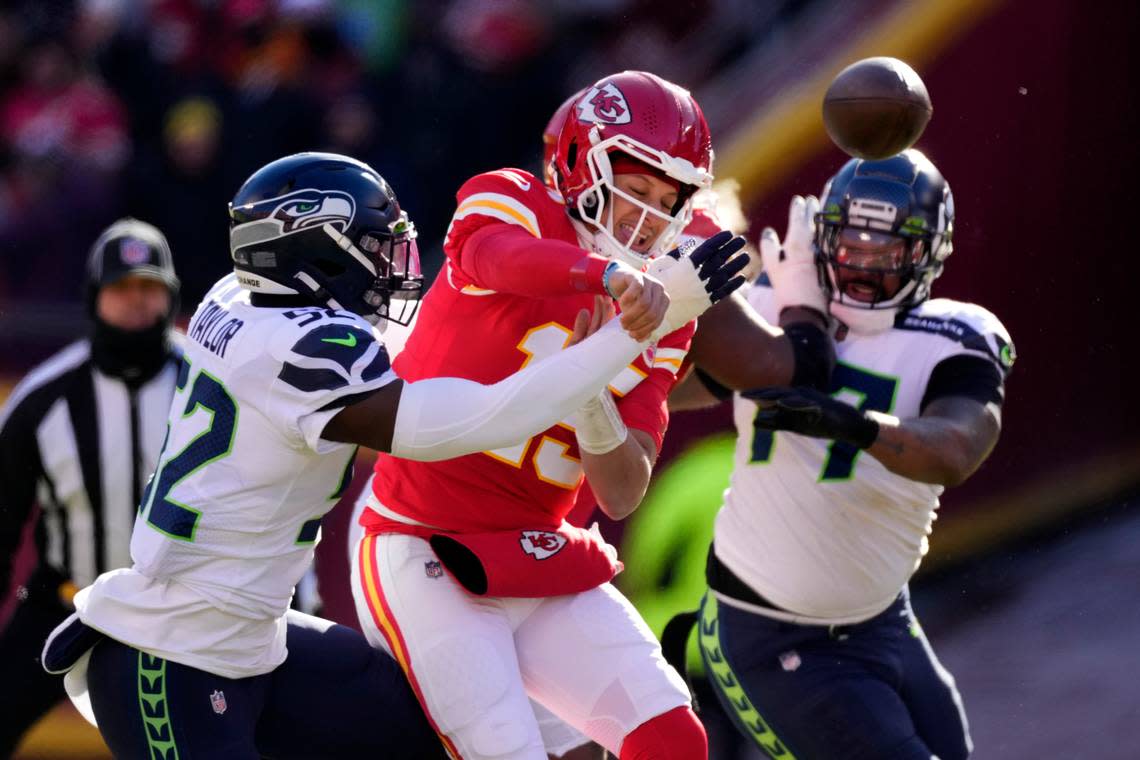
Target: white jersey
{"points": [[819, 528], [229, 521]]}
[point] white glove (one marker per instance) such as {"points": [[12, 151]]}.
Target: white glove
{"points": [[697, 281], [791, 267]]}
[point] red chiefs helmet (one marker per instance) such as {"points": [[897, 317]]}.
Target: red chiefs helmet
{"points": [[550, 136], [649, 120]]}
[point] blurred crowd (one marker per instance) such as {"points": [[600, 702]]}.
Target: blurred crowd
{"points": [[160, 108]]}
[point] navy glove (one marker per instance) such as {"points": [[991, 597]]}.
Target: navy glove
{"points": [[810, 412]]}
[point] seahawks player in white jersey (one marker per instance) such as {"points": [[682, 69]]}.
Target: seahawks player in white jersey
{"points": [[807, 632], [194, 653]]}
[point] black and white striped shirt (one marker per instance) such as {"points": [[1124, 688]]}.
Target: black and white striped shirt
{"points": [[80, 444]]}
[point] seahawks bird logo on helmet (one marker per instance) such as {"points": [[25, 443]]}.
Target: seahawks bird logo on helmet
{"points": [[330, 228], [308, 208]]}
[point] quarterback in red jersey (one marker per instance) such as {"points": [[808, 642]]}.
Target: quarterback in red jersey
{"points": [[525, 607]]}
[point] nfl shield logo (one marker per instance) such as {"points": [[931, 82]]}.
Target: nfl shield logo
{"points": [[134, 252], [218, 702], [433, 569], [790, 660]]}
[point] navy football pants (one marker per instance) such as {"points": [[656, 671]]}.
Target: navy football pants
{"points": [[870, 691], [333, 697]]}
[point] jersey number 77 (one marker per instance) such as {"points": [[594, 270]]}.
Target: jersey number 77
{"points": [[871, 391]]}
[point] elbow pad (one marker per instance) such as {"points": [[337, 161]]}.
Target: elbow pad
{"points": [[814, 355]]}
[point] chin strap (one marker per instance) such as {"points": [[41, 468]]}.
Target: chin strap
{"points": [[864, 321]]}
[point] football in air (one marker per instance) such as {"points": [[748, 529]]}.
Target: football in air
{"points": [[876, 107]]}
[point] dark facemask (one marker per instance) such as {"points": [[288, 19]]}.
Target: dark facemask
{"points": [[134, 356]]}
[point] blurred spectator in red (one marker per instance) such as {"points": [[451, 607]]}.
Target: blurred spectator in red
{"points": [[57, 110], [66, 143]]}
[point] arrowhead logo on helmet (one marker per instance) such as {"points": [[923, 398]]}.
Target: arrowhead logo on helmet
{"points": [[606, 104], [637, 116]]}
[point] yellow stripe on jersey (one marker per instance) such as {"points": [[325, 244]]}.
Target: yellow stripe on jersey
{"points": [[675, 354], [470, 290], [499, 206]]}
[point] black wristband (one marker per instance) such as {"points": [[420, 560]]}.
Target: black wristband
{"points": [[814, 355], [720, 392], [865, 433]]}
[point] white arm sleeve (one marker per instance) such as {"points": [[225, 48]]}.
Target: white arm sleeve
{"points": [[445, 417]]}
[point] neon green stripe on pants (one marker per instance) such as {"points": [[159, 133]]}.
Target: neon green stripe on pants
{"points": [[726, 682], [154, 708]]}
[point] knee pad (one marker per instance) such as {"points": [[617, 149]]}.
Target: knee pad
{"points": [[470, 696], [674, 735]]}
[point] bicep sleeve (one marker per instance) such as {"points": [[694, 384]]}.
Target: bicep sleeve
{"points": [[507, 259], [969, 376], [495, 241], [646, 406]]}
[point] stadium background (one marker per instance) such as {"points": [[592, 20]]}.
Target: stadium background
{"points": [[159, 108]]}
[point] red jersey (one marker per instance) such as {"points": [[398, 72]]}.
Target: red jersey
{"points": [[702, 227], [466, 330]]}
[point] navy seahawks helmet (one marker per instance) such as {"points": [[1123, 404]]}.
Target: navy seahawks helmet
{"points": [[327, 227], [902, 204]]}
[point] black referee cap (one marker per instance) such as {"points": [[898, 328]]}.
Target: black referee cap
{"points": [[130, 246]]}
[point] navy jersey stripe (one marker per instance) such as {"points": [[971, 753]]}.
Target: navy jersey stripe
{"points": [[378, 366], [308, 380], [954, 329], [338, 343]]}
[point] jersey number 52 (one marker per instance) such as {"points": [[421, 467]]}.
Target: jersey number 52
{"points": [[212, 411]]}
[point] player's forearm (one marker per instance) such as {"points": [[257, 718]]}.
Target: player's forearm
{"points": [[442, 418], [737, 347], [619, 478], [929, 450], [507, 259]]}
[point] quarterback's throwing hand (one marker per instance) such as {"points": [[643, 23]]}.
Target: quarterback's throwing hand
{"points": [[697, 281], [810, 412]]}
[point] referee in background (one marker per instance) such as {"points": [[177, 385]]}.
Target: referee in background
{"points": [[79, 436]]}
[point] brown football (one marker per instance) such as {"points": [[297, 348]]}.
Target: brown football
{"points": [[876, 107]]}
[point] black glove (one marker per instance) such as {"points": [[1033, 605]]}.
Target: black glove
{"points": [[810, 412]]}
